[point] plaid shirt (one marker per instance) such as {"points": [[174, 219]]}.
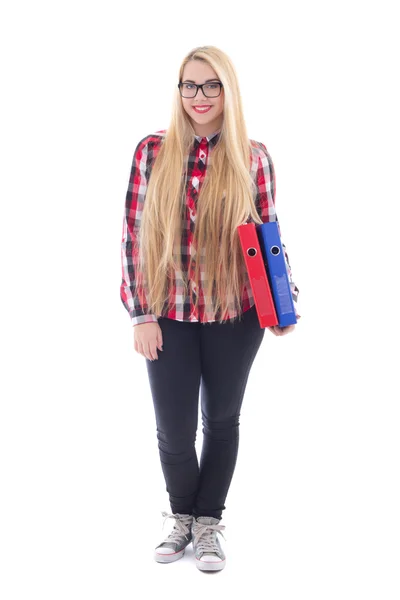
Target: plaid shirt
{"points": [[133, 298]]}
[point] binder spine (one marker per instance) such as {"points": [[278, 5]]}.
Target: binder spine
{"points": [[257, 275], [272, 251]]}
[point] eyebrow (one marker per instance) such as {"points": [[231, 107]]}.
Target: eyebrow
{"points": [[207, 80]]}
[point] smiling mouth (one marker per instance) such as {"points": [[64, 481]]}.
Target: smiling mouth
{"points": [[202, 109]]}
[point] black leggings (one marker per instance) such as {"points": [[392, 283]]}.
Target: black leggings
{"points": [[219, 356]]}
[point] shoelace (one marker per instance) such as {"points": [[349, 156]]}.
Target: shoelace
{"points": [[208, 535], [181, 527]]}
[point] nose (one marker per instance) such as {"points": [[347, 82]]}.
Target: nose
{"points": [[200, 93]]}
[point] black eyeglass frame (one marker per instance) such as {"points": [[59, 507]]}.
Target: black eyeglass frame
{"points": [[198, 85]]}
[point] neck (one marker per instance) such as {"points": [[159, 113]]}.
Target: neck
{"points": [[207, 128]]}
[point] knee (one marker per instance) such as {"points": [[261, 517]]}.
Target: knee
{"points": [[225, 430], [176, 448]]}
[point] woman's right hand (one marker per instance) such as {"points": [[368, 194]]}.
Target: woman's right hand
{"points": [[148, 337]]}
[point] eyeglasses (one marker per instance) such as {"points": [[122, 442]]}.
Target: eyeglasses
{"points": [[210, 90]]}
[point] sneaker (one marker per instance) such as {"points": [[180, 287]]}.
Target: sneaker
{"points": [[173, 547], [207, 548]]}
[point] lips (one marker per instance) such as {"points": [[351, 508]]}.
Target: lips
{"points": [[205, 110]]}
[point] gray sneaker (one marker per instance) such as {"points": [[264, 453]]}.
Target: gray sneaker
{"points": [[173, 547], [207, 548]]}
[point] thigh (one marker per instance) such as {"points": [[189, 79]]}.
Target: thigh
{"points": [[227, 354], [175, 377]]}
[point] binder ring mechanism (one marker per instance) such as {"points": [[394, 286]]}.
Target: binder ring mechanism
{"points": [[275, 250]]}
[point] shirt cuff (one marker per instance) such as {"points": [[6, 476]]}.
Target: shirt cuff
{"points": [[144, 319]]}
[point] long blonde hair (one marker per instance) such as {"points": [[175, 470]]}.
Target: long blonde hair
{"points": [[226, 199]]}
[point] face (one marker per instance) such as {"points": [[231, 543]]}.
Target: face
{"points": [[203, 123]]}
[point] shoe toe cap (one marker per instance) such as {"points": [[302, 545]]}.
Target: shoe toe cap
{"points": [[165, 550], [210, 558]]}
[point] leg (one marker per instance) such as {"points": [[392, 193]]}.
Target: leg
{"points": [[227, 354], [175, 382]]}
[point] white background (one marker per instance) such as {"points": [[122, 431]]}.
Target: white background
{"points": [[313, 507]]}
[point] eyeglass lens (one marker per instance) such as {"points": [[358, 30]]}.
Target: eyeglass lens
{"points": [[211, 90]]}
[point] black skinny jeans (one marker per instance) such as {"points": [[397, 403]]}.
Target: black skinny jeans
{"points": [[218, 356]]}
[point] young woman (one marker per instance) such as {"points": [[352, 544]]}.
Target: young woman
{"points": [[185, 286]]}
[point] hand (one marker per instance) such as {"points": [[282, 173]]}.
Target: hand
{"points": [[148, 337], [276, 330]]}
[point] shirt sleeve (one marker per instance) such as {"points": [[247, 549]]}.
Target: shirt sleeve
{"points": [[131, 291], [265, 204]]}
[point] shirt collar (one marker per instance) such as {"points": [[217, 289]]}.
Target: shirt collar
{"points": [[213, 138]]}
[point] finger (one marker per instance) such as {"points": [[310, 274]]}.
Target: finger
{"points": [[287, 329], [147, 352], [153, 351], [150, 355], [140, 348], [144, 351], [159, 340]]}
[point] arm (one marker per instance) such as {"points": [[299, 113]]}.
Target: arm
{"points": [[132, 294], [265, 204]]}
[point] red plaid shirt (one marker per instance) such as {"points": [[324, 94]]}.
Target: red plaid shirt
{"points": [[134, 299]]}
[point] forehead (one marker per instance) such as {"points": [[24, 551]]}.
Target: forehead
{"points": [[198, 71]]}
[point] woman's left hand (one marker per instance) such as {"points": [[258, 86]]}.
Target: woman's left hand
{"points": [[276, 330]]}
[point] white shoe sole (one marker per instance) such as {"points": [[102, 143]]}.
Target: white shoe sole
{"points": [[210, 566], [167, 558]]}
